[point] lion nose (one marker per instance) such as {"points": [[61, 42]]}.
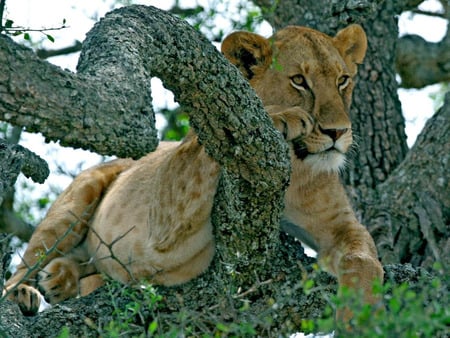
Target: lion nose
{"points": [[334, 133]]}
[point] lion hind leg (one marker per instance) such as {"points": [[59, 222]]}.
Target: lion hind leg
{"points": [[90, 283], [61, 278], [65, 224]]}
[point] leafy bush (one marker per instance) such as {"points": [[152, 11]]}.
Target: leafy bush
{"points": [[414, 307], [411, 309]]}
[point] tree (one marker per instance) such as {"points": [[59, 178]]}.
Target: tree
{"points": [[401, 195]]}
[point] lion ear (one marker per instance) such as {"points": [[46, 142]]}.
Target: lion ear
{"points": [[351, 42], [250, 52]]}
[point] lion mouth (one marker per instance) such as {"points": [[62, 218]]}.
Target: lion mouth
{"points": [[301, 150]]}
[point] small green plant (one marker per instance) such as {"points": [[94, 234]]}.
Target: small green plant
{"points": [[410, 310], [138, 315], [11, 29], [65, 332], [138, 312]]}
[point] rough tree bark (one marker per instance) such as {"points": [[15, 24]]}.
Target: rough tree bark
{"points": [[16, 159], [409, 212], [78, 110], [228, 117], [420, 62]]}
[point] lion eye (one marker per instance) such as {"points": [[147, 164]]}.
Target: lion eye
{"points": [[298, 81], [343, 82]]}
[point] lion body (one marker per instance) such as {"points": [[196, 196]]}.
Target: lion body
{"points": [[151, 218]]}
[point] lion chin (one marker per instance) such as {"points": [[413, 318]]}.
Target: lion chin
{"points": [[330, 161]]}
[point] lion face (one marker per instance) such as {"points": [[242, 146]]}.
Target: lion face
{"points": [[301, 67]]}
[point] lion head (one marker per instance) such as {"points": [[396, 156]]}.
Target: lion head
{"points": [[304, 68]]}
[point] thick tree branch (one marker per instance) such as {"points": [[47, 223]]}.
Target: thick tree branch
{"points": [[421, 63], [15, 159], [223, 108], [77, 110], [409, 218]]}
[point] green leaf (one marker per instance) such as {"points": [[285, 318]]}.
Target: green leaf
{"points": [[222, 327], [152, 327], [395, 305], [65, 332], [309, 284], [8, 23], [308, 325], [27, 37], [51, 38]]}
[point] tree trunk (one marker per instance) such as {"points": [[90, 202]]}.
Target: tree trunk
{"points": [[409, 215]]}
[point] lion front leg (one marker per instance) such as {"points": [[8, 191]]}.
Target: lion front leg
{"points": [[353, 260]]}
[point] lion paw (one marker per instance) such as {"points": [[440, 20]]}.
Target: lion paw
{"points": [[59, 280], [293, 122], [27, 297]]}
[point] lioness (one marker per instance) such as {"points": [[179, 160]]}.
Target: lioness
{"points": [[122, 231]]}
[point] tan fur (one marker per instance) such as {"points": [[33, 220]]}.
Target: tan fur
{"points": [[152, 216]]}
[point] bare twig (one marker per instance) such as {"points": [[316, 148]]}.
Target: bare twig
{"points": [[47, 53], [110, 248], [35, 267], [39, 30], [428, 13], [2, 9]]}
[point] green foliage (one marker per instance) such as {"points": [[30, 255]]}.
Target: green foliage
{"points": [[141, 312], [177, 124], [65, 333], [138, 316], [410, 310], [439, 95], [10, 29]]}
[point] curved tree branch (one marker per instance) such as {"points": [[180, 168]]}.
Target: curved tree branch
{"points": [[421, 63], [223, 108], [227, 116], [15, 159], [75, 109]]}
